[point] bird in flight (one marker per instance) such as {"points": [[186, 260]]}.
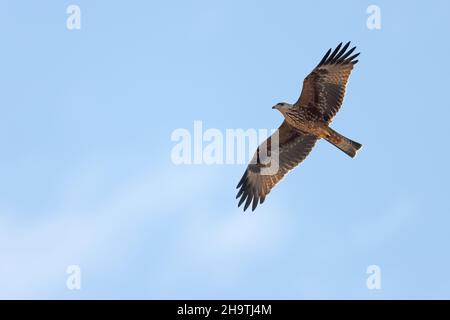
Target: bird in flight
{"points": [[304, 123]]}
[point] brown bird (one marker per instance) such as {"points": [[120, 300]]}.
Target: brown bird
{"points": [[304, 123]]}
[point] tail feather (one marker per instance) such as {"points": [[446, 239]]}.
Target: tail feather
{"points": [[350, 147]]}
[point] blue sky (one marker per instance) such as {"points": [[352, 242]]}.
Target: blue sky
{"points": [[86, 176]]}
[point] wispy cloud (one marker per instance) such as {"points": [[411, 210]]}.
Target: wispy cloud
{"points": [[100, 237]]}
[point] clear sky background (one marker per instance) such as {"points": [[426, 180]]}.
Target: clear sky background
{"points": [[86, 176]]}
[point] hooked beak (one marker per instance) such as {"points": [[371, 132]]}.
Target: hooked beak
{"points": [[274, 107]]}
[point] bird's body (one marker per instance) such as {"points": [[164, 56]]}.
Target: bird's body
{"points": [[309, 120], [306, 121]]}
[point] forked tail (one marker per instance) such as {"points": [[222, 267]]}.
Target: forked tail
{"points": [[350, 147]]}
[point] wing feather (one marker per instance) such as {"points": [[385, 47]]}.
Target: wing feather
{"points": [[293, 148], [325, 86]]}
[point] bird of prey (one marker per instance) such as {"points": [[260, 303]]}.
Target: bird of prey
{"points": [[304, 123]]}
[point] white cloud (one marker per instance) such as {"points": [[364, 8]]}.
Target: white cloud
{"points": [[35, 254]]}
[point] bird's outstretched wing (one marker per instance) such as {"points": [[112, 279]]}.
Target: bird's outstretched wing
{"points": [[293, 148], [324, 87]]}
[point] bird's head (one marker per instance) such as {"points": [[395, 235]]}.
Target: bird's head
{"points": [[282, 107]]}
